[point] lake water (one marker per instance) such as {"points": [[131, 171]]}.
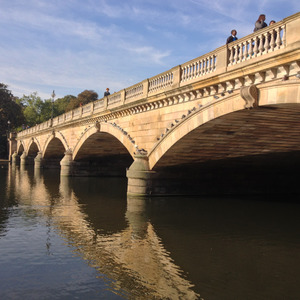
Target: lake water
{"points": [[80, 238]]}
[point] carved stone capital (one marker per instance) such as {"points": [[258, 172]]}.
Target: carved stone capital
{"points": [[250, 95], [97, 126], [69, 151]]}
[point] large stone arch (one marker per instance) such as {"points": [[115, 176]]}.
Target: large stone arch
{"points": [[270, 94], [197, 118], [108, 128]]}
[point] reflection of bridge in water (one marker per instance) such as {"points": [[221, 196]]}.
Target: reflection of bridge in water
{"points": [[130, 256], [190, 129]]}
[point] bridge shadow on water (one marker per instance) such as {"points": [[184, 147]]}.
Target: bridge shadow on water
{"points": [[266, 174]]}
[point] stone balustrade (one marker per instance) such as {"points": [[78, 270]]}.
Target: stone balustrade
{"points": [[262, 42], [265, 43]]}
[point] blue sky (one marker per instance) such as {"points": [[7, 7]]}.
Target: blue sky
{"points": [[72, 45]]}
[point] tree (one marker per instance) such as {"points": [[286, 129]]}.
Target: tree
{"points": [[61, 104], [33, 109], [83, 98], [87, 96], [10, 111]]}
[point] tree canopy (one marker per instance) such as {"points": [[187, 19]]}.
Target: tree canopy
{"points": [[83, 98], [10, 110], [31, 110], [11, 116]]}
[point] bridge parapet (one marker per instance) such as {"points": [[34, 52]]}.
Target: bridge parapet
{"points": [[208, 73]]}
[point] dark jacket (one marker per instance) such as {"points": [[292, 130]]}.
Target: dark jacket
{"points": [[231, 39], [259, 25]]}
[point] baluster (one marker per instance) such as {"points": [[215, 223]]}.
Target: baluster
{"points": [[235, 53], [240, 50], [266, 40], [255, 46], [261, 45], [208, 65], [231, 56], [201, 67], [183, 74], [194, 69], [246, 50], [278, 40], [272, 41], [213, 62], [197, 68], [250, 51]]}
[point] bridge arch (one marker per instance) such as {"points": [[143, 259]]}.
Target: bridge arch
{"points": [[20, 148], [271, 96], [33, 149], [200, 116], [34, 146], [55, 136], [102, 150], [54, 150], [100, 130]]}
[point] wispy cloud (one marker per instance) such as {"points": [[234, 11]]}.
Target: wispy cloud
{"points": [[74, 45]]}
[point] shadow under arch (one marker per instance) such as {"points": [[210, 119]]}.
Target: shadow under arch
{"points": [[243, 151], [205, 114], [102, 151], [33, 149], [108, 128], [21, 148], [54, 135], [54, 151]]}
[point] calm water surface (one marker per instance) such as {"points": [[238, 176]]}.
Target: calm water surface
{"points": [[79, 238]]}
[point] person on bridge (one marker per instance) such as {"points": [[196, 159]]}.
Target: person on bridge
{"points": [[260, 23], [233, 37], [107, 92]]}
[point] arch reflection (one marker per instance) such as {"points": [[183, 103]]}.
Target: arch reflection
{"points": [[116, 239]]}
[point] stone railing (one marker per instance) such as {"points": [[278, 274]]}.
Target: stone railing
{"points": [[199, 67], [264, 41], [249, 49]]}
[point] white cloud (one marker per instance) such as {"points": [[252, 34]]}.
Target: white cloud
{"points": [[74, 45]]}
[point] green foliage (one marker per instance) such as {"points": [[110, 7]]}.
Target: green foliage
{"points": [[83, 98], [33, 109], [61, 104], [87, 96], [11, 116], [10, 110]]}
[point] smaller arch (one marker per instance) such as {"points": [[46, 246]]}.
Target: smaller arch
{"points": [[105, 128], [51, 137], [35, 144], [20, 147]]}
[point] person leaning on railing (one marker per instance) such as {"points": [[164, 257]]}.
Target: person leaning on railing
{"points": [[274, 33], [233, 37], [260, 23], [230, 39]]}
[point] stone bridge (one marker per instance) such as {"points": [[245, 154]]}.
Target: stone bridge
{"points": [[223, 122]]}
